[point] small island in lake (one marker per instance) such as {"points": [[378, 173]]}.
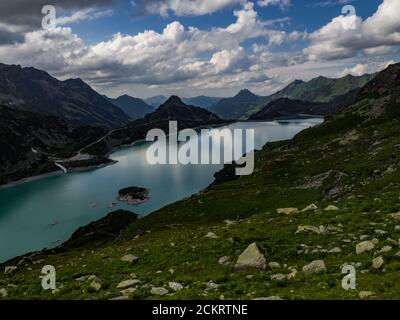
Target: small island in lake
{"points": [[134, 195]]}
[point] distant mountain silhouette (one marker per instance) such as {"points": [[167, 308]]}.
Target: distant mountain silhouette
{"points": [[238, 107], [156, 101], [201, 101], [135, 108]]}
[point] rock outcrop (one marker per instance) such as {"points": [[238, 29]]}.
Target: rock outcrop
{"points": [[251, 258]]}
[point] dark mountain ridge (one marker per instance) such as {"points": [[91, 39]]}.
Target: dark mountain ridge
{"points": [[284, 107], [73, 100], [172, 110]]}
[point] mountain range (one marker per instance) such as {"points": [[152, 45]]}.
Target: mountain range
{"points": [[320, 89], [199, 101], [289, 108], [171, 110], [135, 108], [73, 100]]}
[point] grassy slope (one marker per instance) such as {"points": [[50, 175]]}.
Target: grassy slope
{"points": [[359, 150]]}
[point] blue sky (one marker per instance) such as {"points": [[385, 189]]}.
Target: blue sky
{"points": [[304, 15], [195, 47]]}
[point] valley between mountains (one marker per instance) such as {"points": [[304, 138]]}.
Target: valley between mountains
{"points": [[327, 198]]}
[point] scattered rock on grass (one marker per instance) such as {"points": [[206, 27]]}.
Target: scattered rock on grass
{"points": [[331, 208], [268, 298], [274, 265], [377, 262], [10, 269], [311, 207], [3, 293], [159, 291], [176, 286], [386, 249], [95, 285], [224, 260], [128, 292], [130, 258], [366, 294], [292, 274], [251, 258], [278, 277], [335, 250], [230, 222], [211, 235], [211, 285], [287, 211], [364, 247], [128, 283], [316, 266]]}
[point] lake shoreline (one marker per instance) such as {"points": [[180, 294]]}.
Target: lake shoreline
{"points": [[89, 167], [55, 174]]}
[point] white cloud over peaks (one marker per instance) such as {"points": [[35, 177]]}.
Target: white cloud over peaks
{"points": [[379, 32], [227, 60], [46, 49]]}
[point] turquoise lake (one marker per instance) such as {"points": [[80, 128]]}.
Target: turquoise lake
{"points": [[43, 213]]}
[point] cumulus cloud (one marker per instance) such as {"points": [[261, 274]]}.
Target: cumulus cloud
{"points": [[82, 15], [283, 4], [337, 41], [176, 54], [181, 7]]}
